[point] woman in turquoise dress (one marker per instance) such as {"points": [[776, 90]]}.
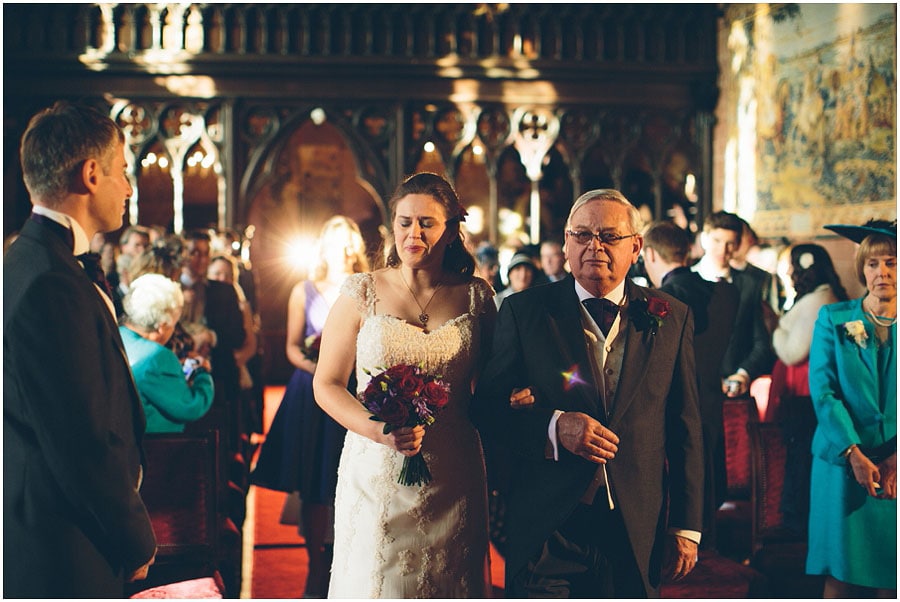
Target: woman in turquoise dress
{"points": [[853, 385], [173, 394]]}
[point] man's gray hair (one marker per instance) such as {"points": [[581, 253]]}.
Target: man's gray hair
{"points": [[608, 194], [153, 300]]}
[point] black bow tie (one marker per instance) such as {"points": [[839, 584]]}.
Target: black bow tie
{"points": [[91, 263], [603, 311]]}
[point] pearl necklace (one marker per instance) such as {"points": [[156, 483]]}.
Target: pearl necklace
{"points": [[423, 314], [878, 320]]}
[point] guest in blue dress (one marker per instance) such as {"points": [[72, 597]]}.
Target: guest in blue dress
{"points": [[303, 446], [173, 394], [853, 385]]}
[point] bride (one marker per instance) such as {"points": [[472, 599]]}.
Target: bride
{"points": [[426, 308]]}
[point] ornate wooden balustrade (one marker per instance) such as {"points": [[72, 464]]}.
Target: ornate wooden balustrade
{"points": [[568, 36]]}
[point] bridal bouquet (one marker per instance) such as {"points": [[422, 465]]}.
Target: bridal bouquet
{"points": [[405, 395]]}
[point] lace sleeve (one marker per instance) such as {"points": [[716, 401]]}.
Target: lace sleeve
{"points": [[480, 294], [360, 288]]}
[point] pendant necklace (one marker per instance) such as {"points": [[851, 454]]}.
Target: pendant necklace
{"points": [[423, 315]]}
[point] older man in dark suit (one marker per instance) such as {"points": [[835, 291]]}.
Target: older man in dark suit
{"points": [[606, 490], [74, 525]]}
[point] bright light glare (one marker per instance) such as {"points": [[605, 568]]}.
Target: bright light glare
{"points": [[510, 222], [301, 253], [475, 219], [429, 147]]}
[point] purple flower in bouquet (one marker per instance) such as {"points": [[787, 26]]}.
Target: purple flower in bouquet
{"points": [[405, 395]]}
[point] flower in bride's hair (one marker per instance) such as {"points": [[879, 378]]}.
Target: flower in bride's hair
{"points": [[406, 396], [856, 330]]}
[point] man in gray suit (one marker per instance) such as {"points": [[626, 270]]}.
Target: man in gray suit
{"points": [[74, 525], [606, 487]]}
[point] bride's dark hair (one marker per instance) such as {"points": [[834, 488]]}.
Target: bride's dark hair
{"points": [[457, 259]]}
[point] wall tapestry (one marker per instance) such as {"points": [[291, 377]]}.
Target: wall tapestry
{"points": [[816, 115]]}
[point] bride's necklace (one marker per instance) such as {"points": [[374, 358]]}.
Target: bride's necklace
{"points": [[423, 315]]}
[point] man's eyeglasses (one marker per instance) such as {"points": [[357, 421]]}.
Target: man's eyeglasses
{"points": [[584, 237]]}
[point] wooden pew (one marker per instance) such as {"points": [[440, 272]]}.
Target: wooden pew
{"points": [[180, 492], [777, 551]]}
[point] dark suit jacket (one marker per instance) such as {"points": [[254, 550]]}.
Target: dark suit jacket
{"points": [[538, 340], [714, 305], [751, 345], [74, 524]]}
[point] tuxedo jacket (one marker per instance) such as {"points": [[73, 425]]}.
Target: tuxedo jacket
{"points": [[539, 342], [74, 524]]}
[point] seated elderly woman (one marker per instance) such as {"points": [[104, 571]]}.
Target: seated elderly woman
{"points": [[173, 393]]}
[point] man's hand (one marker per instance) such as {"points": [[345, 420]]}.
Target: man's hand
{"points": [[521, 398], [736, 385], [680, 558], [141, 573], [586, 437]]}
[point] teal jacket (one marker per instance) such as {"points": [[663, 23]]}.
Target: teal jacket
{"points": [[853, 391], [170, 402]]}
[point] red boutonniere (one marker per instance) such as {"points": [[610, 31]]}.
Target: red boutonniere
{"points": [[649, 313]]}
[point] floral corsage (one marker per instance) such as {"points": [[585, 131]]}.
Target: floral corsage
{"points": [[649, 313], [856, 330]]}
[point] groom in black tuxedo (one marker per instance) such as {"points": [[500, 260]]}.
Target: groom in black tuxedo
{"points": [[606, 491], [74, 525]]}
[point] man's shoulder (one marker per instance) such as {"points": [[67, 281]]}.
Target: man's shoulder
{"points": [[541, 296], [638, 291], [220, 291]]}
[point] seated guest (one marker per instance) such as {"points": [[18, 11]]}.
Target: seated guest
{"points": [[173, 394]]}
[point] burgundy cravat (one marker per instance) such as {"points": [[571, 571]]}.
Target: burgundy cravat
{"points": [[603, 311]]}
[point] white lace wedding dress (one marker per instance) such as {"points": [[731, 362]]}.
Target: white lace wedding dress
{"points": [[400, 541]]}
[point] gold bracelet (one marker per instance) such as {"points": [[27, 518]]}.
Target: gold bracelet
{"points": [[848, 451]]}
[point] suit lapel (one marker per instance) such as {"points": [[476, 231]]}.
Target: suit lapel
{"points": [[566, 327], [636, 361]]}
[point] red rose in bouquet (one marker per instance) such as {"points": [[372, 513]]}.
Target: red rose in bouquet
{"points": [[405, 395], [311, 345]]}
